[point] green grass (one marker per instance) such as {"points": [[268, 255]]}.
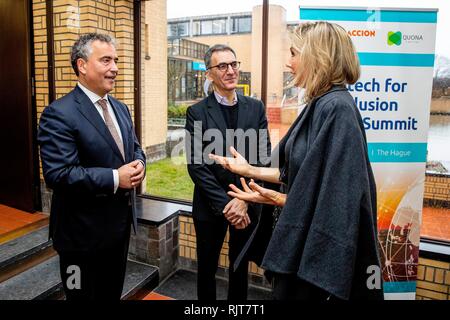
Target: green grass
{"points": [[169, 178]]}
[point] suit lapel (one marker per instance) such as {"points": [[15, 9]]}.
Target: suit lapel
{"points": [[88, 110], [243, 115]]}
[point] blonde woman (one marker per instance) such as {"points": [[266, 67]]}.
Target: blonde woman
{"points": [[324, 243]]}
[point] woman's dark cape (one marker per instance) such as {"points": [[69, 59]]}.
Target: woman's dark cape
{"points": [[327, 231]]}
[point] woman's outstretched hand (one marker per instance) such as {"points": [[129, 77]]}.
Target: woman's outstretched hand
{"points": [[237, 164], [255, 193]]}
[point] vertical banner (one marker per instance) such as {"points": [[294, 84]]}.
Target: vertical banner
{"points": [[396, 52]]}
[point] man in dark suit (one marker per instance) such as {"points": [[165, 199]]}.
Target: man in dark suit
{"points": [[241, 123], [92, 160]]}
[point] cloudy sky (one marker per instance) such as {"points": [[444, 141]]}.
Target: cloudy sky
{"points": [[182, 8]]}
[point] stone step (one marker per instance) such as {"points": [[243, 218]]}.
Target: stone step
{"points": [[20, 254], [27, 227], [37, 283], [139, 280], [182, 285], [43, 282]]}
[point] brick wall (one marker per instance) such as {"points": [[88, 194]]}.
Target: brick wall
{"points": [[123, 23], [188, 256], [437, 190], [274, 114], [40, 58], [40, 54], [433, 280], [433, 276], [66, 27], [154, 74], [70, 19], [157, 246], [74, 17]]}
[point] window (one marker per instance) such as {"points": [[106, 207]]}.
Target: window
{"points": [[241, 24], [178, 29], [207, 27], [244, 77], [174, 76], [219, 26], [187, 48], [173, 79], [196, 28], [435, 214]]}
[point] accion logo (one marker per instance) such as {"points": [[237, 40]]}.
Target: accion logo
{"points": [[361, 33]]}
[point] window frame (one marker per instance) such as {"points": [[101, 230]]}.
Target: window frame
{"points": [[197, 24], [177, 24], [212, 33], [237, 20], [196, 48]]}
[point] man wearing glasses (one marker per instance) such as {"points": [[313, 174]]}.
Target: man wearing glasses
{"points": [[241, 123]]}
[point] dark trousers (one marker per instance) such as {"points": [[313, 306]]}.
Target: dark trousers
{"points": [[102, 273], [210, 236], [290, 287]]}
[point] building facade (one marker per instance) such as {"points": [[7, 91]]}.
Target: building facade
{"points": [[243, 32]]}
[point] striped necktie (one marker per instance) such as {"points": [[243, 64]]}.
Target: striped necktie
{"points": [[111, 126]]}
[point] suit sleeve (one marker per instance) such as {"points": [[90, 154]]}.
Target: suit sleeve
{"points": [[60, 160], [138, 152], [200, 174]]}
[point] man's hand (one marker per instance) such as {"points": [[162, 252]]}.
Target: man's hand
{"points": [[137, 178], [236, 213], [131, 174], [243, 224]]}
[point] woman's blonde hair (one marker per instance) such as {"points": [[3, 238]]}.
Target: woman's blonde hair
{"points": [[327, 57]]}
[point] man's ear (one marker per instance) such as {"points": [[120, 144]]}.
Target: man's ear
{"points": [[81, 64], [208, 76]]}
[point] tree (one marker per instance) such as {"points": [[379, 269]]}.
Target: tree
{"points": [[174, 72]]}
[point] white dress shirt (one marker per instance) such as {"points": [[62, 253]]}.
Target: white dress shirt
{"points": [[224, 101], [95, 98]]}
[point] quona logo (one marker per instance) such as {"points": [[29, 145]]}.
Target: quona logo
{"points": [[394, 38]]}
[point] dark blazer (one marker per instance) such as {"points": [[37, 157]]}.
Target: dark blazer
{"points": [[78, 155], [211, 180]]}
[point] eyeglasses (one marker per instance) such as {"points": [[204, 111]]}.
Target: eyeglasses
{"points": [[224, 66]]}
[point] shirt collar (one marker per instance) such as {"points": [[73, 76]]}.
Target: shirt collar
{"points": [[224, 101], [92, 95]]}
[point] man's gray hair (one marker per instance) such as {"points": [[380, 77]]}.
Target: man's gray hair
{"points": [[82, 47], [214, 48]]}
